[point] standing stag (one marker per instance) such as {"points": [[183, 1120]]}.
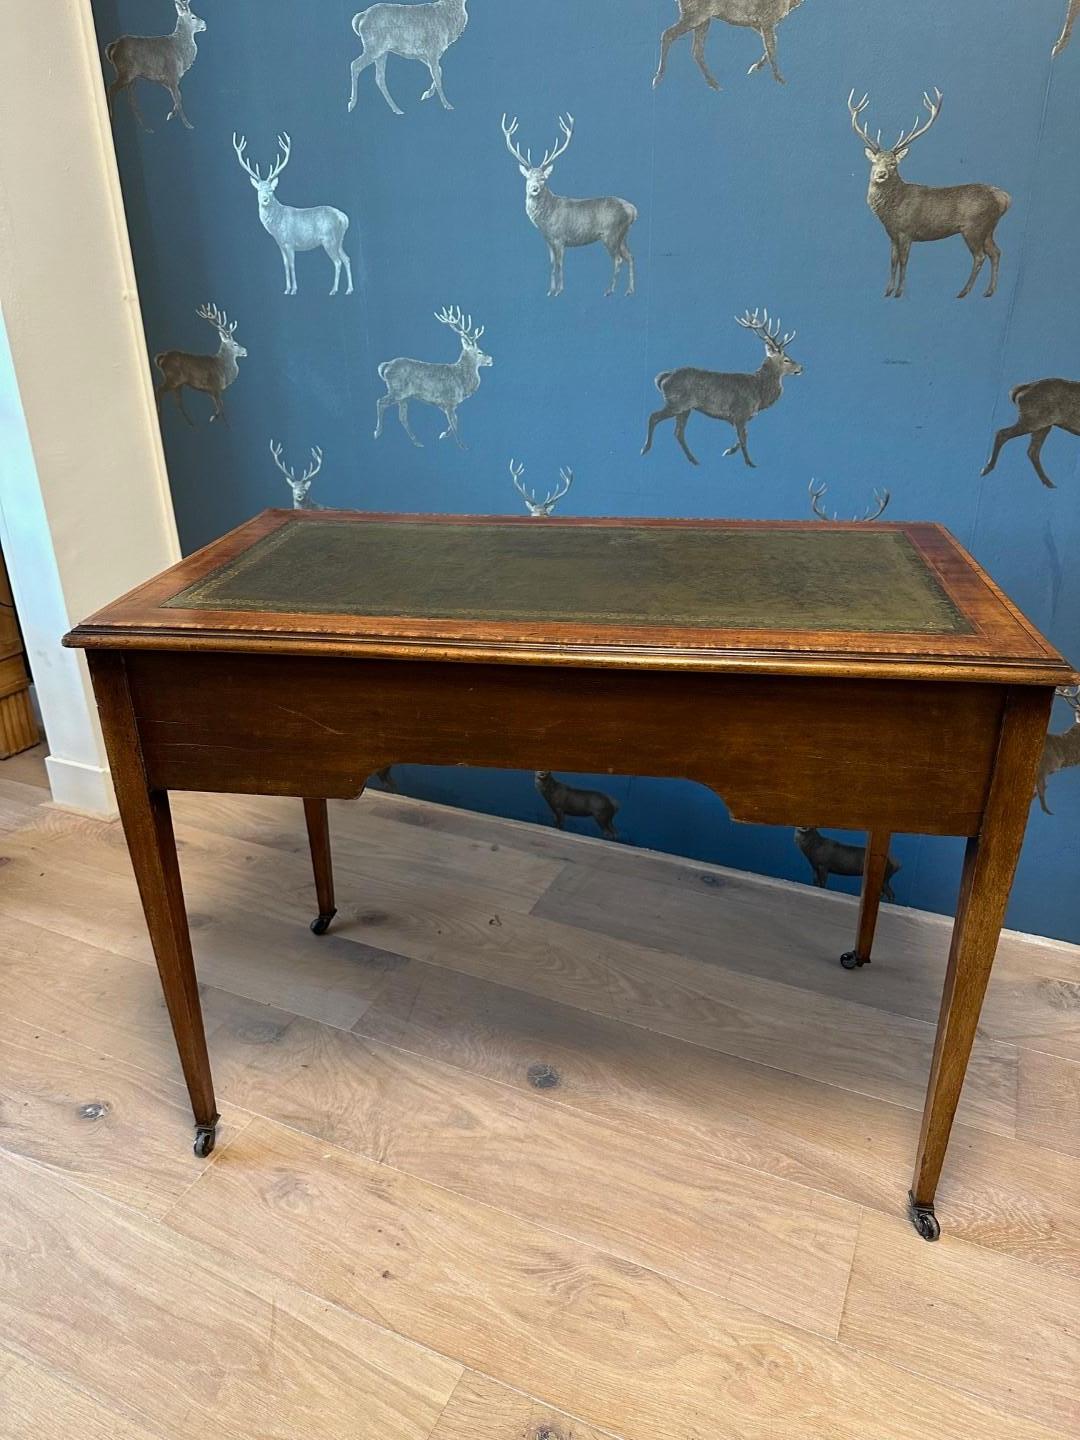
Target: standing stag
{"points": [[817, 495], [445, 386], [540, 509], [1067, 29], [1062, 749], [162, 59], [912, 213], [213, 374], [1041, 404], [299, 488], [697, 15], [736, 398], [416, 32], [566, 800], [294, 229], [564, 222]]}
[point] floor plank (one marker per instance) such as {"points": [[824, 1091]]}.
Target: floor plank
{"points": [[481, 1409], [752, 1238], [1048, 1102], [118, 1129], [158, 1328], [1013, 1197], [980, 1321], [622, 1347], [36, 1405]]}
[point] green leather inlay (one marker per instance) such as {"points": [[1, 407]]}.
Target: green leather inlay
{"points": [[870, 580]]}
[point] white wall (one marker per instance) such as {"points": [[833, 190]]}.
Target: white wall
{"points": [[85, 510]]}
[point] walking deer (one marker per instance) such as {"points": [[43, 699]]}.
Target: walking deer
{"points": [[832, 857], [736, 398], [913, 213], [294, 229], [1041, 404], [1066, 33], [299, 488], [416, 32], [565, 800], [564, 222], [697, 15], [817, 495], [444, 386], [162, 59], [1062, 749], [212, 374], [539, 509]]}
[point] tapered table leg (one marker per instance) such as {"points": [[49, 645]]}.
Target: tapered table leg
{"points": [[318, 828], [989, 866], [874, 867], [148, 829]]}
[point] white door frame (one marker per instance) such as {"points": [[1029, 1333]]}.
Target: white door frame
{"points": [[85, 508]]}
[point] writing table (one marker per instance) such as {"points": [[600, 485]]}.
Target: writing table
{"points": [[864, 677]]}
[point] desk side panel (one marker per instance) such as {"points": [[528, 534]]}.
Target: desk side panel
{"points": [[909, 756]]}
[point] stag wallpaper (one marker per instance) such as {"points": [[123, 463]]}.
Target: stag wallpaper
{"points": [[364, 285]]}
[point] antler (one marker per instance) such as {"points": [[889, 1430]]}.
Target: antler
{"points": [[567, 477], [855, 109], [460, 323], [1071, 695], [934, 109], [509, 131], [279, 165], [217, 318], [288, 471], [566, 125], [768, 329], [240, 146], [516, 472], [817, 493]]}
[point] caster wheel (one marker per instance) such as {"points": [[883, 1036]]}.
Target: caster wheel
{"points": [[850, 960], [924, 1220], [205, 1135], [321, 923]]}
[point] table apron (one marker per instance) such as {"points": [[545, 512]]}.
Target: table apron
{"points": [[911, 756]]}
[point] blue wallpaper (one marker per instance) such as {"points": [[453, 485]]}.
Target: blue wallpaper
{"points": [[752, 197]]}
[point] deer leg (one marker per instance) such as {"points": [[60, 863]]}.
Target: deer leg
{"points": [[1011, 432], [615, 251], [978, 258], [1040, 790], [337, 273], [628, 256], [451, 426], [348, 271], [380, 80], [821, 877], [358, 66], [698, 48], [994, 251], [133, 101], [654, 420], [435, 88], [768, 39], [403, 416], [179, 393], [903, 250], [178, 107], [740, 426], [667, 39], [219, 408], [380, 407], [680, 435], [1038, 439]]}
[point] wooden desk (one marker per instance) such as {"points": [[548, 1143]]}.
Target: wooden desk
{"points": [[853, 676]]}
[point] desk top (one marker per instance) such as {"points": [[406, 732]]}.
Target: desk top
{"points": [[807, 597]]}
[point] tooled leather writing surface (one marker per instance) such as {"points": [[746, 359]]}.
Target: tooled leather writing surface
{"points": [[872, 581]]}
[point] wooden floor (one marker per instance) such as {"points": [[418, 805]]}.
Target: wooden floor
{"points": [[548, 1138]]}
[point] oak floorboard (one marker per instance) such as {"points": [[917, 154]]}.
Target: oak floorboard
{"points": [[620, 1346], [755, 1239], [753, 929], [482, 1409], [35, 1404], [984, 1322], [1048, 1102], [167, 1332], [1006, 1194]]}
